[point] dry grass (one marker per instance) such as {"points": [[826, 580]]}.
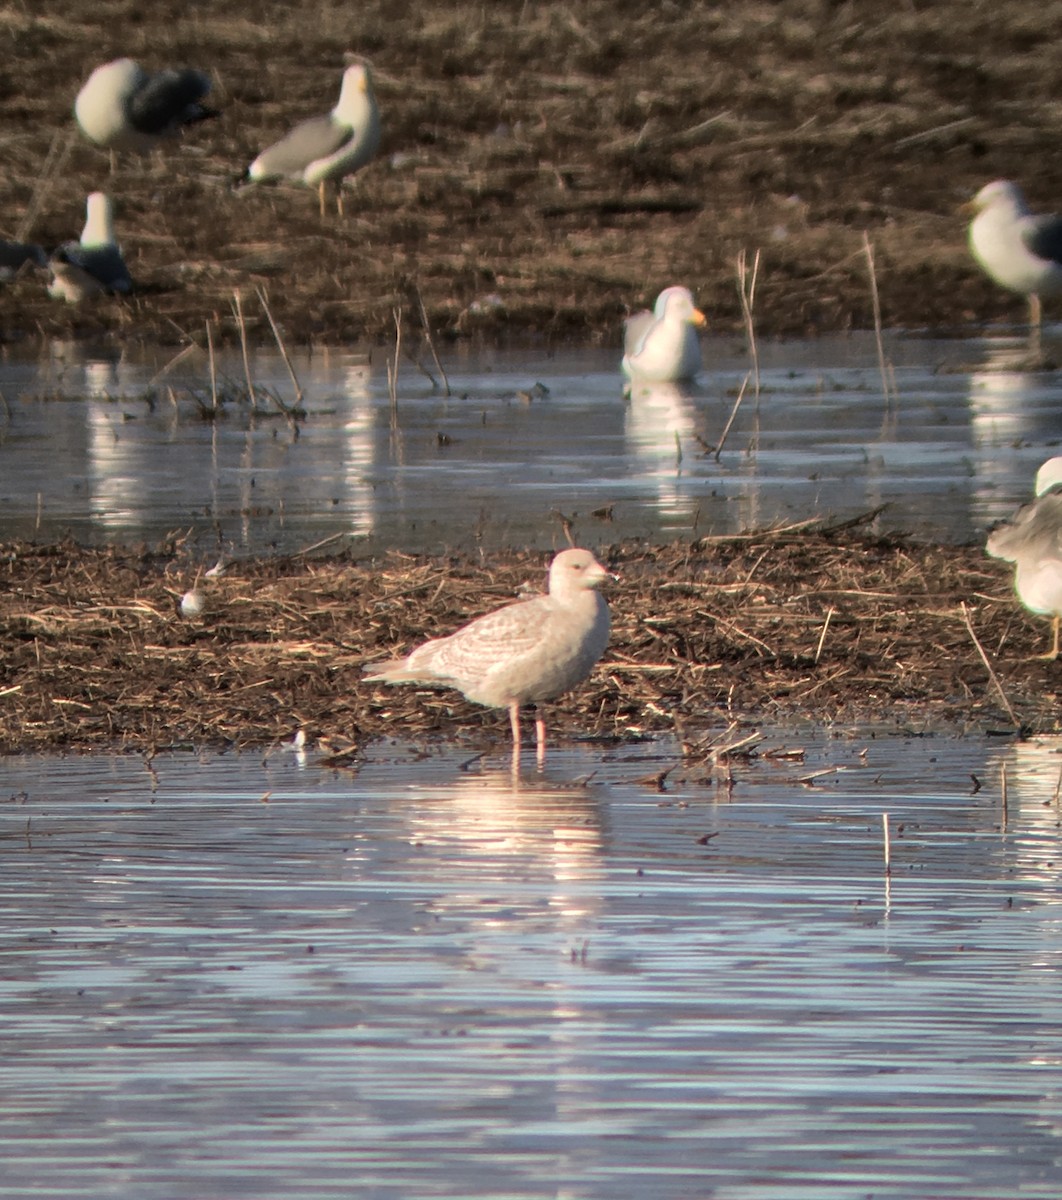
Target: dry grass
{"points": [[570, 157], [799, 625]]}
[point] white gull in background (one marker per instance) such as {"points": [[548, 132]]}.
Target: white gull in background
{"points": [[322, 150], [124, 107], [524, 653], [1032, 540], [1016, 248], [94, 264], [662, 346]]}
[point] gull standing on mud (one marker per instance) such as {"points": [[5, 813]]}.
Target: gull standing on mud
{"points": [[1032, 540], [325, 149], [123, 107], [662, 346], [94, 264], [523, 653], [1019, 250]]}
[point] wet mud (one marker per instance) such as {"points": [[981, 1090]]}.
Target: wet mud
{"points": [[544, 168], [808, 624]]}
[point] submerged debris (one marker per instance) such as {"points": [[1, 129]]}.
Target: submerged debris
{"points": [[779, 626]]}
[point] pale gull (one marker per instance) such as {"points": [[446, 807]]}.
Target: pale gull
{"points": [[1019, 250], [123, 107], [662, 346], [322, 150], [1032, 540], [524, 653], [94, 264]]}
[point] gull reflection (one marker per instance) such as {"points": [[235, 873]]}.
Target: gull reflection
{"points": [[661, 427], [1033, 773], [1013, 420], [523, 826]]}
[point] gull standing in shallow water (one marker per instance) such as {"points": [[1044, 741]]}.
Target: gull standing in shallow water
{"points": [[523, 653], [1032, 540], [123, 107], [324, 149], [1020, 251], [661, 346]]}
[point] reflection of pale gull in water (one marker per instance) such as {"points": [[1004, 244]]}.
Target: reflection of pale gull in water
{"points": [[1032, 540], [1020, 251], [662, 346], [322, 150], [123, 107], [524, 653]]}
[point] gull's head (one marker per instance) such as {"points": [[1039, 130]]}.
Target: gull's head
{"points": [[99, 221], [357, 85], [1049, 475], [573, 570], [676, 304], [999, 194]]}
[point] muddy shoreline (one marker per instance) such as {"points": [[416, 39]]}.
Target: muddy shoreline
{"points": [[545, 168], [802, 626]]}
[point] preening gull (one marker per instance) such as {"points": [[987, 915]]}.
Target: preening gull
{"points": [[525, 652], [662, 346], [123, 107], [325, 149], [1020, 251], [1032, 540], [94, 264]]}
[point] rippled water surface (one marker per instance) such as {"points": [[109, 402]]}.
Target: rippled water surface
{"points": [[119, 449], [237, 976]]}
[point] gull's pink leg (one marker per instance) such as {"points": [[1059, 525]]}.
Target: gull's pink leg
{"points": [[514, 725], [540, 738]]}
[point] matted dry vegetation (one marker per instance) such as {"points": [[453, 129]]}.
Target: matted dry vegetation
{"points": [[566, 157], [807, 625]]}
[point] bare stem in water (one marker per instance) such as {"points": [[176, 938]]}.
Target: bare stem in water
{"points": [[883, 365]]}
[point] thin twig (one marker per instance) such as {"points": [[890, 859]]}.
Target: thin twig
{"points": [[747, 288], [238, 308], [213, 368], [883, 366], [280, 345], [822, 636], [56, 158], [730, 419], [988, 666], [431, 344]]}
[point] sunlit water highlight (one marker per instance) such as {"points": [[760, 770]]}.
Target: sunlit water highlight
{"points": [[230, 976], [116, 449]]}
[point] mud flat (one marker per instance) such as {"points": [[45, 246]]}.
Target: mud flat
{"points": [[807, 624], [544, 166]]}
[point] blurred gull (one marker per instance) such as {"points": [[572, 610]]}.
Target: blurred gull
{"points": [[1032, 540], [525, 652], [1020, 251], [123, 107], [324, 149], [94, 264], [662, 346], [15, 255]]}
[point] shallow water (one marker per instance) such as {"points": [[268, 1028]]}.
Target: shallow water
{"points": [[230, 976], [117, 449]]}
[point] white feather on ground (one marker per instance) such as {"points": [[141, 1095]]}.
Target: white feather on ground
{"points": [[523, 653], [1032, 540]]}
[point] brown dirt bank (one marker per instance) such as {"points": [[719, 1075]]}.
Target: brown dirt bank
{"points": [[569, 158], [799, 625]]}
